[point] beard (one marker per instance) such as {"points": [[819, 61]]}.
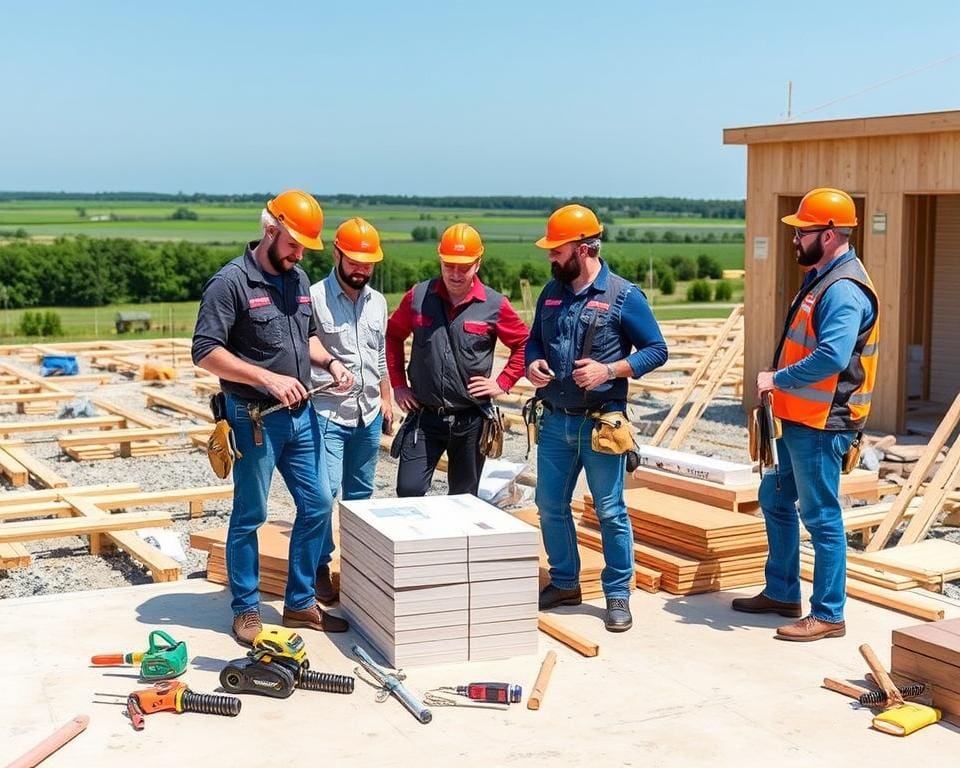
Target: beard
{"points": [[807, 257], [566, 273], [355, 280], [279, 264]]}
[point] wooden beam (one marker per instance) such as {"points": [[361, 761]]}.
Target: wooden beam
{"points": [[917, 476], [36, 497], [77, 526], [571, 639], [42, 473], [13, 470], [180, 405], [56, 425]]}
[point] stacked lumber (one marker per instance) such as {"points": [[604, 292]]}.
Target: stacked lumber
{"points": [[696, 547], [930, 653], [438, 579], [273, 540]]}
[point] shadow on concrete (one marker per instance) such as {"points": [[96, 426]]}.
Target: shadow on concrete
{"points": [[716, 613], [209, 610]]}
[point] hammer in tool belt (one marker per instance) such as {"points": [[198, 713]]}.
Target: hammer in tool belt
{"points": [[257, 413]]}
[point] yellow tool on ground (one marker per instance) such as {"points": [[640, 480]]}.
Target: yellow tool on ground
{"points": [[274, 642], [898, 718]]}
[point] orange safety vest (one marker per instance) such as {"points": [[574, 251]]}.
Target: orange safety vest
{"points": [[841, 401]]}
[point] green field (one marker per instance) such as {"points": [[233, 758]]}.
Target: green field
{"points": [[237, 223]]}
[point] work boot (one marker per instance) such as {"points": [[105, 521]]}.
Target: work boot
{"points": [[811, 628], [324, 589], [618, 614], [246, 626], [313, 618], [552, 596], [763, 604]]}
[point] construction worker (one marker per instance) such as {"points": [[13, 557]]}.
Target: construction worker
{"points": [[352, 324], [256, 331], [825, 368], [455, 321], [579, 356]]}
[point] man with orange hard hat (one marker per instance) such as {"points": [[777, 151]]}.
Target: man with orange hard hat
{"points": [[256, 331], [455, 321], [821, 386], [592, 331], [352, 324]]}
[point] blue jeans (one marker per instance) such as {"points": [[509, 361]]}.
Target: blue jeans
{"points": [[293, 444], [563, 449], [810, 463], [351, 458]]}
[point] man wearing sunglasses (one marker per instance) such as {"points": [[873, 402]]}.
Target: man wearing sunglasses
{"points": [[821, 387]]}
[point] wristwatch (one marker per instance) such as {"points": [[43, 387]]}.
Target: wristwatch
{"points": [[611, 374]]}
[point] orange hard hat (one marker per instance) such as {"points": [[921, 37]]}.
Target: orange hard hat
{"points": [[460, 244], [570, 223], [300, 215], [824, 207], [359, 240]]}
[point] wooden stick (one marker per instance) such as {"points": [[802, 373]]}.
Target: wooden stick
{"points": [[571, 639], [540, 686], [52, 743], [894, 697], [844, 687]]}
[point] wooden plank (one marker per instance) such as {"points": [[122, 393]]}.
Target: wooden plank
{"points": [[36, 497], [162, 567], [78, 526], [179, 404], [944, 481], [42, 473], [925, 669], [735, 315], [51, 425], [917, 476], [176, 496], [931, 560], [14, 555], [904, 602], [571, 639], [13, 470], [132, 417], [931, 640], [121, 436]]}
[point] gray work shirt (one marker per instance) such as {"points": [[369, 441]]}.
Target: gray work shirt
{"points": [[354, 332], [259, 322]]}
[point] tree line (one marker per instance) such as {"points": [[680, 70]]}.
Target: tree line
{"points": [[631, 207]]}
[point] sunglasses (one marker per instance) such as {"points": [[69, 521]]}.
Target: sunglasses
{"points": [[801, 232]]}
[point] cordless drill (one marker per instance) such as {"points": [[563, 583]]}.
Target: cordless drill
{"points": [[171, 696]]}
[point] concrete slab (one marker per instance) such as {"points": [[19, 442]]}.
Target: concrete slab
{"points": [[692, 684]]}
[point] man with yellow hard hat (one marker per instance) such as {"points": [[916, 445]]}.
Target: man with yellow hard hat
{"points": [[256, 331], [456, 321], [592, 331], [352, 324], [821, 385]]}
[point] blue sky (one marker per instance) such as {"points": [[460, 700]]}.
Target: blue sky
{"points": [[553, 98]]}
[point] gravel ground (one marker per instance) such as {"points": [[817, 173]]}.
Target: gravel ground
{"points": [[64, 565]]}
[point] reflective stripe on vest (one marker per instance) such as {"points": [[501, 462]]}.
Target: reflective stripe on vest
{"points": [[840, 401]]}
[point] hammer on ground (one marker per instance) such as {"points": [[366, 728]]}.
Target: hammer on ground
{"points": [[898, 717]]}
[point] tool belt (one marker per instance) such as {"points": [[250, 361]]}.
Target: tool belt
{"points": [[612, 432], [759, 437], [221, 445], [491, 433]]}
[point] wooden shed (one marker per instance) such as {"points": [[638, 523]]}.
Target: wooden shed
{"points": [[903, 171]]}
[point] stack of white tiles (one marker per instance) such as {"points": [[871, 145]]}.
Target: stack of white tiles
{"points": [[439, 578]]}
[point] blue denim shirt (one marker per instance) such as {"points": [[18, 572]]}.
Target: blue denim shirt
{"points": [[842, 314], [623, 322]]}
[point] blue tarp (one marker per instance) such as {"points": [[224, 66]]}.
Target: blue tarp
{"points": [[59, 365]]}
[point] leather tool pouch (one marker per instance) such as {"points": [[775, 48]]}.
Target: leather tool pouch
{"points": [[758, 436], [852, 457], [221, 445], [491, 434], [612, 433], [532, 414]]}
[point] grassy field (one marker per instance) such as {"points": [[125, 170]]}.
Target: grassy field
{"points": [[237, 223]]}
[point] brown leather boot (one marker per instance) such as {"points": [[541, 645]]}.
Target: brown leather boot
{"points": [[246, 626], [763, 604], [811, 628], [324, 589], [313, 618]]}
